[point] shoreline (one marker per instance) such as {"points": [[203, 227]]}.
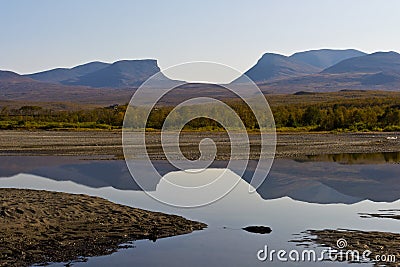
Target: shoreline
{"points": [[377, 243], [109, 144], [77, 241], [41, 226]]}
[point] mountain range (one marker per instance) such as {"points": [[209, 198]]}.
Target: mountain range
{"points": [[354, 70], [325, 58], [322, 70], [275, 66], [124, 73]]}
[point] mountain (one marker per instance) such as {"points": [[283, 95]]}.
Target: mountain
{"points": [[95, 88], [274, 67], [386, 62], [377, 71], [61, 74], [102, 83], [25, 90], [120, 74], [12, 77], [325, 58]]}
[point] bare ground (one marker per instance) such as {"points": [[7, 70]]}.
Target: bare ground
{"points": [[42, 226], [382, 245], [109, 143]]}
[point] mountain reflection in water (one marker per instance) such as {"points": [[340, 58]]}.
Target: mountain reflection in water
{"points": [[318, 179]]}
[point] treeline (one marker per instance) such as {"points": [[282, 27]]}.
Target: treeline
{"points": [[35, 117], [339, 117], [371, 114]]}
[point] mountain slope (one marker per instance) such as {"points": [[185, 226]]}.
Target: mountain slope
{"points": [[274, 67], [332, 83], [377, 71], [62, 74], [388, 62], [325, 58], [15, 87], [12, 77], [124, 73]]}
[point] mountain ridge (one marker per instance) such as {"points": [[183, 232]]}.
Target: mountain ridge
{"points": [[324, 58], [371, 63], [122, 73], [273, 66], [274, 74], [58, 75], [119, 74]]}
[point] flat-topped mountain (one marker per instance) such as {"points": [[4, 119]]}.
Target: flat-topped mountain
{"points": [[21, 88]]}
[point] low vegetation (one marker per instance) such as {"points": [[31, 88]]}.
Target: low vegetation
{"points": [[340, 111]]}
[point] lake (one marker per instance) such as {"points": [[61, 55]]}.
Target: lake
{"points": [[314, 193]]}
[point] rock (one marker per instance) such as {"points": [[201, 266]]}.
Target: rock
{"points": [[258, 229]]}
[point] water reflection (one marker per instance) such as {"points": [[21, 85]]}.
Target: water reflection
{"points": [[219, 246], [313, 181], [356, 158]]}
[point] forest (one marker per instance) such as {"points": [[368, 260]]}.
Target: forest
{"points": [[348, 111]]}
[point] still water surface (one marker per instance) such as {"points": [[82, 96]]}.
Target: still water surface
{"points": [[298, 195]]}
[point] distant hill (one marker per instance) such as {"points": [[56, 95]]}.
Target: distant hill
{"points": [[104, 83], [387, 62], [16, 87], [377, 71], [325, 58], [124, 73], [99, 88], [120, 74], [61, 74], [332, 83], [274, 67], [12, 77]]}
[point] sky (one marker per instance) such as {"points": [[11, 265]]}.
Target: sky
{"points": [[44, 34]]}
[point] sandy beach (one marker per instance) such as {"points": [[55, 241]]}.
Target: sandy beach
{"points": [[42, 226]]}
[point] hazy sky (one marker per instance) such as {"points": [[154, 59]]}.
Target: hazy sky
{"points": [[42, 34]]}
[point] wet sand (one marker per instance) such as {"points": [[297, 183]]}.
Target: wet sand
{"points": [[42, 226], [380, 244], [109, 143]]}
